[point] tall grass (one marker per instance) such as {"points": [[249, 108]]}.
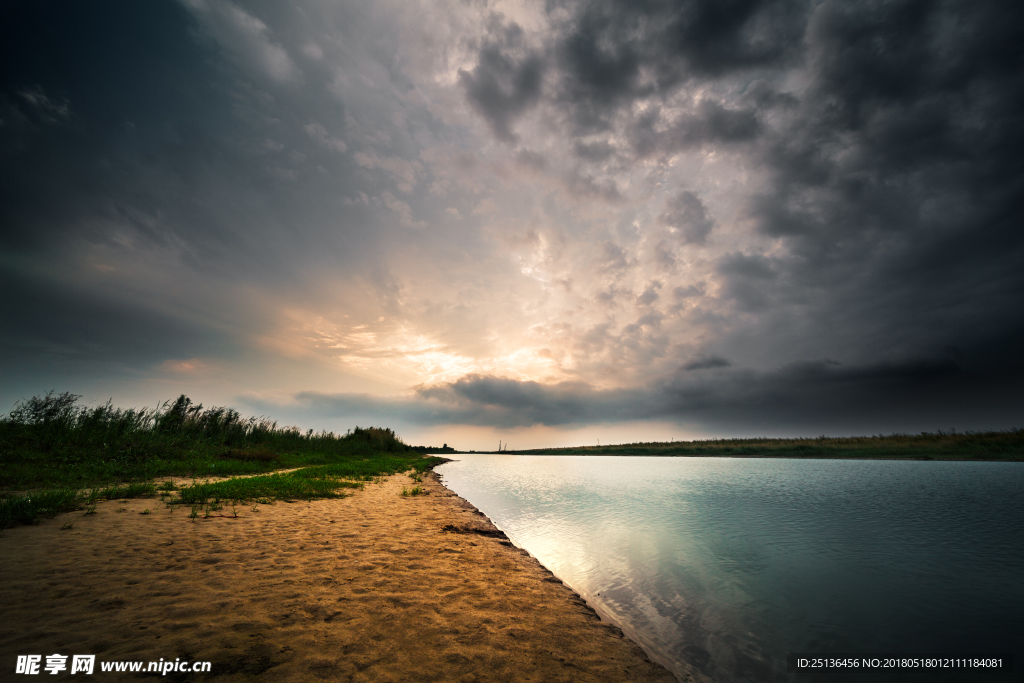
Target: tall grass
{"points": [[52, 449], [50, 440]]}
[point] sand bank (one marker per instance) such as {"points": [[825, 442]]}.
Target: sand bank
{"points": [[373, 587]]}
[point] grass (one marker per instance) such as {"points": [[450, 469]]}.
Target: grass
{"points": [[133, 490], [267, 487], [952, 445], [53, 451], [28, 508], [367, 469], [51, 441]]}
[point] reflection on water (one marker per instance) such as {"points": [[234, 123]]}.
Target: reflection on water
{"points": [[720, 566]]}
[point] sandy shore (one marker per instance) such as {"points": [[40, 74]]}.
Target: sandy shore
{"points": [[373, 587]]}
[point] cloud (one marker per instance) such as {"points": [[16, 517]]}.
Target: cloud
{"points": [[320, 134], [313, 51], [688, 216], [402, 209], [790, 398], [706, 363], [246, 38], [613, 257], [650, 294], [188, 366], [749, 279], [476, 400], [708, 123], [404, 172], [506, 81], [531, 160], [49, 110], [612, 54]]}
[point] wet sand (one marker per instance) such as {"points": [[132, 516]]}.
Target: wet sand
{"points": [[372, 587]]}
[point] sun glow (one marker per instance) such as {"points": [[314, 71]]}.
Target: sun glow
{"points": [[397, 353]]}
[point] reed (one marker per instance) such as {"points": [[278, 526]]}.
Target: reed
{"points": [[52, 441], [53, 450]]}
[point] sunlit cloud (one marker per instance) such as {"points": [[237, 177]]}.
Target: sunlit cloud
{"points": [[191, 365], [397, 351]]}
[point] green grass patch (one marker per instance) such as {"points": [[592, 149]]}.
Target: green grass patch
{"points": [[134, 490], [421, 465], [263, 488], [30, 507], [366, 469]]}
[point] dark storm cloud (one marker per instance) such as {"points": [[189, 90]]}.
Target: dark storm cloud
{"points": [[181, 124], [909, 103], [748, 280], [473, 400], [897, 182], [687, 214], [131, 77], [889, 138], [709, 123], [91, 100], [707, 363], [507, 80], [910, 106], [611, 53], [485, 400], [482, 399]]}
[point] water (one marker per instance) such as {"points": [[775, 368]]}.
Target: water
{"points": [[720, 566]]}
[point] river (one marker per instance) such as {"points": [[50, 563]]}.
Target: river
{"points": [[719, 567]]}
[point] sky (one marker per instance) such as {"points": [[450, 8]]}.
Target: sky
{"points": [[549, 223]]}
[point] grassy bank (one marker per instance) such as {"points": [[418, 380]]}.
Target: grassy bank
{"points": [[1005, 445], [59, 456]]}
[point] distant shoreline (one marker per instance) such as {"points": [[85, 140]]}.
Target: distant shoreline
{"points": [[1001, 446], [776, 456]]}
